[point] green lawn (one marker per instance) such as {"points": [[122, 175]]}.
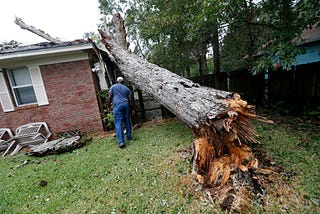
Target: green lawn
{"points": [[294, 144], [148, 176]]}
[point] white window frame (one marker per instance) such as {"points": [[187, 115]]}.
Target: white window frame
{"points": [[6, 100], [9, 74]]}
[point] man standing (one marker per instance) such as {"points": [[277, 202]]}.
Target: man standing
{"points": [[120, 96]]}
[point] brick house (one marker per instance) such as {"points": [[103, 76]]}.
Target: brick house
{"points": [[52, 83]]}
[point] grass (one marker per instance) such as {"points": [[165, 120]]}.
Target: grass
{"points": [[148, 176], [294, 143]]}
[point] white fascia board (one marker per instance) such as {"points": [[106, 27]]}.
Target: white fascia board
{"points": [[46, 51], [44, 59]]}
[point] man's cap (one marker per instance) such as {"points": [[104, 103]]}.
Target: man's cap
{"points": [[120, 79]]}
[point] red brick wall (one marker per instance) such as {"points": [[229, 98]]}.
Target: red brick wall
{"points": [[72, 99]]}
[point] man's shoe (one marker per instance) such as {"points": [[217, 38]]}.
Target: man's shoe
{"points": [[122, 145]]}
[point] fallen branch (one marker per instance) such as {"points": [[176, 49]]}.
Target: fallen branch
{"points": [[57, 146], [36, 31]]}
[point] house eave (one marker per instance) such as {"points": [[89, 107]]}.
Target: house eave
{"points": [[45, 51]]}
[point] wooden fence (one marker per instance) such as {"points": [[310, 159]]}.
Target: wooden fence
{"points": [[251, 88], [300, 85]]}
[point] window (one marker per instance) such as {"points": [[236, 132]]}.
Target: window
{"points": [[22, 87]]}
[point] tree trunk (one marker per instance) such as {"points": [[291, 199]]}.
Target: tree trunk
{"points": [[216, 48], [200, 70], [249, 34], [218, 119], [188, 71]]}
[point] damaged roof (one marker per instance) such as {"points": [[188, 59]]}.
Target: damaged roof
{"points": [[14, 50]]}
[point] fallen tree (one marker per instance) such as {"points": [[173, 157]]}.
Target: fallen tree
{"points": [[218, 119]]}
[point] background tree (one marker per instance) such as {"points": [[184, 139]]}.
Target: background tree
{"points": [[174, 34], [241, 38], [166, 27], [180, 35], [284, 21]]}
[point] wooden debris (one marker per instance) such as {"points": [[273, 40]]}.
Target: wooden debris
{"points": [[121, 31], [57, 146]]}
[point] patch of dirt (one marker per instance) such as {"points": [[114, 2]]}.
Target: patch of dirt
{"points": [[272, 187], [297, 122]]}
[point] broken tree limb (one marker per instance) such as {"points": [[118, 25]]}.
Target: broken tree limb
{"points": [[36, 31], [58, 146], [121, 31], [218, 119]]}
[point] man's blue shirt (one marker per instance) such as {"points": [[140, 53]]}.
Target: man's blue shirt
{"points": [[120, 94]]}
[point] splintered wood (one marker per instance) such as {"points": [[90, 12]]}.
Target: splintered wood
{"points": [[214, 170], [221, 151]]}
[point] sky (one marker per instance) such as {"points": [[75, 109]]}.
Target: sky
{"points": [[64, 19]]}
